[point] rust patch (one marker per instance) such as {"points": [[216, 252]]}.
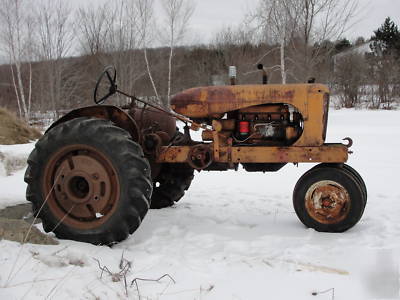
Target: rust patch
{"points": [[279, 94], [80, 186], [334, 153], [289, 94], [200, 156], [106, 112], [151, 120], [327, 202], [205, 101]]}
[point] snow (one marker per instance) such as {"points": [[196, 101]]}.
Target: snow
{"points": [[13, 162], [233, 236]]}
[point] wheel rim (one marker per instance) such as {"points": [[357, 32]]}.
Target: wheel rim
{"points": [[327, 202], [81, 186]]}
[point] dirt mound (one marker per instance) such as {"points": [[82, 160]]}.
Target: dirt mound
{"points": [[14, 131], [22, 232], [15, 225]]}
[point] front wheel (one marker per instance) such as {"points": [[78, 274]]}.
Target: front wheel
{"points": [[88, 181], [352, 172], [329, 199]]}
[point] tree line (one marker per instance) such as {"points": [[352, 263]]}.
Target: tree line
{"points": [[371, 78], [55, 52]]}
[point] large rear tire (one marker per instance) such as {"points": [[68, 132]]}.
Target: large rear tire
{"points": [[171, 184], [329, 199], [88, 181]]}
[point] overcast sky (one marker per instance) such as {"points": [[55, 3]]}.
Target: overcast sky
{"points": [[211, 15]]}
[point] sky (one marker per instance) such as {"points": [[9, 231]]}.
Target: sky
{"points": [[373, 14], [212, 15]]}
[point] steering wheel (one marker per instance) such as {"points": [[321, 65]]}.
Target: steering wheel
{"points": [[111, 73]]}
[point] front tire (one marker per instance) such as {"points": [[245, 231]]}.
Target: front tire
{"points": [[329, 199], [88, 181], [352, 172]]}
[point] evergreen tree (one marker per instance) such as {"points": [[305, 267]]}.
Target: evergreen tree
{"points": [[342, 45], [386, 40], [359, 41]]}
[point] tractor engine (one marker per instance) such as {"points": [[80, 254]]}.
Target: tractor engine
{"points": [[261, 125], [268, 124]]}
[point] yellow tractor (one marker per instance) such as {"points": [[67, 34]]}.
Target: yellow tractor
{"points": [[95, 173]]}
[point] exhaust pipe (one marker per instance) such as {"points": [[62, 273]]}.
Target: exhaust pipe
{"points": [[264, 76], [232, 74]]}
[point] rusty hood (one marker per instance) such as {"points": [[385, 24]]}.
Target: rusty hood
{"points": [[205, 101]]}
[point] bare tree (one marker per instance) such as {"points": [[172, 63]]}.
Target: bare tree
{"points": [[16, 36], [350, 70], [122, 40], [301, 28], [320, 20], [177, 16], [279, 19], [114, 32], [145, 9], [91, 28], [55, 40], [385, 87], [235, 46]]}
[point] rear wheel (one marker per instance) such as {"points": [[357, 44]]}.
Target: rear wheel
{"points": [[88, 181], [329, 199], [171, 184]]}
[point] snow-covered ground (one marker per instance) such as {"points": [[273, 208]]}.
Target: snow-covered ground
{"points": [[13, 162], [233, 236]]}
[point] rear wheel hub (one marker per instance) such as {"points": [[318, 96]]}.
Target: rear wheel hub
{"points": [[81, 186]]}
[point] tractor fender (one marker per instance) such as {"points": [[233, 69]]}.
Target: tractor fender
{"points": [[107, 112]]}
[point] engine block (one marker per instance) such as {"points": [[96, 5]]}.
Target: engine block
{"points": [[269, 124]]}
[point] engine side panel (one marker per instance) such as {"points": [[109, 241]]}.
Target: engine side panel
{"points": [[206, 101], [310, 100]]}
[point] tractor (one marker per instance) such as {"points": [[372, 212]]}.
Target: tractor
{"points": [[97, 170]]}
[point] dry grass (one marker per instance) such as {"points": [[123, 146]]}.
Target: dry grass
{"points": [[15, 131]]}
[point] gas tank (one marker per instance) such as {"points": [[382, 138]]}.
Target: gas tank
{"points": [[204, 102], [152, 120]]}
